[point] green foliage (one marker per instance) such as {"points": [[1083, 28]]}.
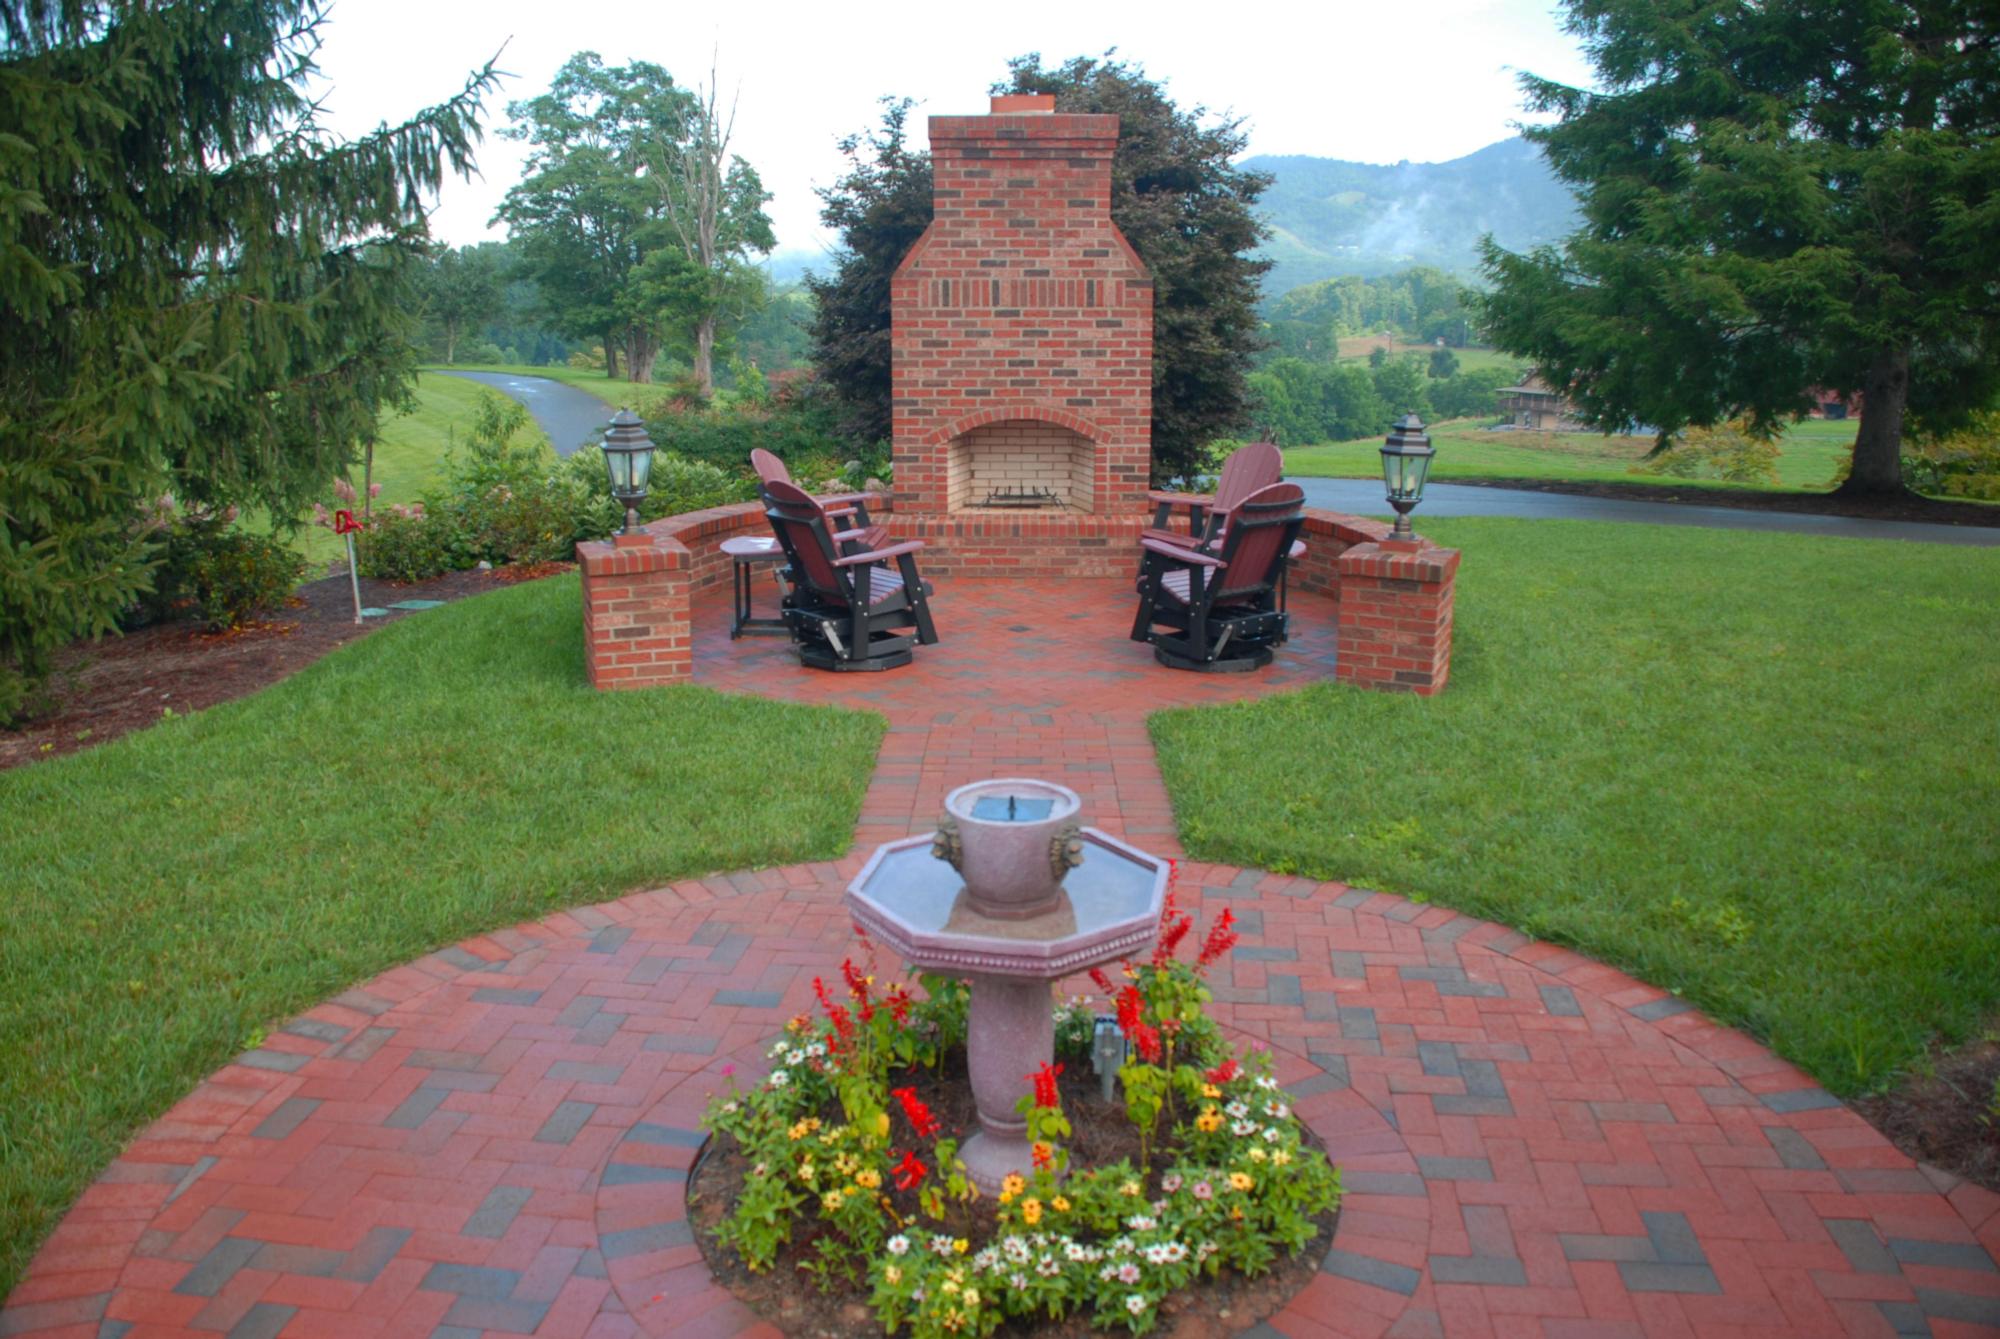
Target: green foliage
{"points": [[1420, 304], [1444, 363], [213, 571], [1734, 452], [1963, 464], [1773, 728], [203, 292], [879, 208], [460, 290], [1778, 201], [507, 501]]}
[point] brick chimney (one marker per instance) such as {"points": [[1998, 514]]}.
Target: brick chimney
{"points": [[1022, 324]]}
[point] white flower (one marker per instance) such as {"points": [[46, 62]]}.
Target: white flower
{"points": [[816, 1049], [1236, 1110], [729, 1108], [1128, 1272], [1170, 1182], [899, 1245], [1135, 1304], [1242, 1128], [1278, 1109], [1074, 1252], [795, 1056], [1017, 1281], [1139, 1222], [1172, 1252], [1268, 1084], [779, 1078], [1271, 1134], [778, 1048], [1048, 1267], [1106, 1274]]}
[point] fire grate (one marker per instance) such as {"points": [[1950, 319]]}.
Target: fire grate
{"points": [[1024, 498]]}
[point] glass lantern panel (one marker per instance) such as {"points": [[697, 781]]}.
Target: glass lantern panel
{"points": [[1416, 471], [1393, 465], [619, 465], [642, 469]]}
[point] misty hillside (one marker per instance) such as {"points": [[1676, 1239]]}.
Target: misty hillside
{"points": [[1329, 217]]}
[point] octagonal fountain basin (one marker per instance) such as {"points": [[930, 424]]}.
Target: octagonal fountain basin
{"points": [[1107, 908]]}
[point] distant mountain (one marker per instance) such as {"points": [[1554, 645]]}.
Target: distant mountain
{"points": [[1329, 217]]}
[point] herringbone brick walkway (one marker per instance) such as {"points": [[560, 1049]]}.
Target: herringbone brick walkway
{"points": [[494, 1139]]}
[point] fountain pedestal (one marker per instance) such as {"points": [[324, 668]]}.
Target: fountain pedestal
{"points": [[1104, 905]]}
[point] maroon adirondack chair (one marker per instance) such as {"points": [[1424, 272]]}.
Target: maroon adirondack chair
{"points": [[847, 611], [1218, 609], [1250, 467], [848, 510]]}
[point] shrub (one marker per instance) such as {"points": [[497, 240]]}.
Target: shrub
{"points": [[1728, 451], [219, 574], [1963, 464]]}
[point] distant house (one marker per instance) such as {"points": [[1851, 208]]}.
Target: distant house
{"points": [[1834, 405], [1533, 407]]}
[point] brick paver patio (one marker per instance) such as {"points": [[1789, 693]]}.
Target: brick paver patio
{"points": [[495, 1138]]}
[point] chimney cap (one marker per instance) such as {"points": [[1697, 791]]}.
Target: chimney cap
{"points": [[1006, 103]]}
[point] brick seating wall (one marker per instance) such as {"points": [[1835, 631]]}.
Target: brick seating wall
{"points": [[1395, 601]]}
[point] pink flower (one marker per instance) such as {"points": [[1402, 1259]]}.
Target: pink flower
{"points": [[374, 490], [728, 1069], [343, 490]]}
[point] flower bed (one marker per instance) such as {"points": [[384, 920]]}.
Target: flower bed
{"points": [[849, 1176]]}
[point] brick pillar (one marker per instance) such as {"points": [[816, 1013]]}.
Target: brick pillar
{"points": [[637, 631], [1395, 616]]}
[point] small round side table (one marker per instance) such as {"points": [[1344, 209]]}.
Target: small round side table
{"points": [[746, 554]]}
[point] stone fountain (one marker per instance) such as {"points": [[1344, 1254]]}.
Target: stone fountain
{"points": [[1012, 894]]}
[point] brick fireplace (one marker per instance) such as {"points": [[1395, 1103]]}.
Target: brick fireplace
{"points": [[1022, 326]]}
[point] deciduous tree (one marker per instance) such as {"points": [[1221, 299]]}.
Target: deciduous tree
{"points": [[1777, 199], [461, 291], [203, 292]]}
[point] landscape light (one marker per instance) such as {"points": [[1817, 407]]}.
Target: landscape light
{"points": [[628, 458], [1406, 463]]}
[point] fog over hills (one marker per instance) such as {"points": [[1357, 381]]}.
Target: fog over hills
{"points": [[1330, 217]]}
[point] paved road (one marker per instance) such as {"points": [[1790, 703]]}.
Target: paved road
{"points": [[570, 417], [1363, 497]]}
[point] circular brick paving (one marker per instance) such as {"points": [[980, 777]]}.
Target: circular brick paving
{"points": [[494, 1138]]}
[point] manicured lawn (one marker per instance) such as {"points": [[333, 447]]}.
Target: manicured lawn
{"points": [[1761, 770], [168, 896], [1810, 455], [1355, 347], [409, 456]]}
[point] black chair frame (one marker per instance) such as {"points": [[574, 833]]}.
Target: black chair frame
{"points": [[1222, 611], [846, 611]]}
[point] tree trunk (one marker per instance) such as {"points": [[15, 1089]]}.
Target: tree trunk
{"points": [[1878, 445], [367, 482], [450, 343], [639, 355], [610, 356], [704, 355]]}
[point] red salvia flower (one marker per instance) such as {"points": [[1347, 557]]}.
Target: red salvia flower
{"points": [[1223, 1072], [1103, 982], [1044, 1080], [819, 989], [857, 984], [1221, 938], [909, 1173], [920, 1117], [899, 1003], [1173, 928], [1146, 1041], [1131, 1007]]}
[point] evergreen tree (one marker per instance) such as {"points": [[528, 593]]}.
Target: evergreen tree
{"points": [[202, 292], [1776, 199], [880, 207], [1175, 194]]}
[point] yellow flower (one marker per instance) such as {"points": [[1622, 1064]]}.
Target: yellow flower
{"points": [[806, 1171], [961, 1245], [868, 1178], [1132, 1188], [1281, 1157], [831, 1201], [881, 1125], [1006, 1195], [1059, 1204], [1013, 1184], [1240, 1181], [1236, 1212], [799, 1131], [892, 1275], [1256, 1155], [1031, 1212], [970, 1298], [1209, 1121], [950, 1285], [1210, 1090]]}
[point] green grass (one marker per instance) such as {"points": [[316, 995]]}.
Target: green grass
{"points": [[1761, 770], [168, 896], [1809, 456], [1356, 348], [409, 455]]}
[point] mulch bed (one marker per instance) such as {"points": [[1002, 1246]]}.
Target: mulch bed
{"points": [[1904, 507], [105, 688], [1101, 1134], [1947, 1117]]}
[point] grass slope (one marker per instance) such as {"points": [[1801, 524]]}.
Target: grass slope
{"points": [[167, 896], [591, 380], [409, 454], [1761, 770], [1810, 455]]}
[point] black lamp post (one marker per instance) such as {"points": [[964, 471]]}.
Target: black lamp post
{"points": [[1406, 462], [628, 458]]}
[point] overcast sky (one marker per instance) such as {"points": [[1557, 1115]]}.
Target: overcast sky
{"points": [[1376, 82]]}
